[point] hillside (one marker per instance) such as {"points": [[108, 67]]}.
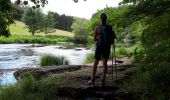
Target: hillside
{"points": [[20, 28]]}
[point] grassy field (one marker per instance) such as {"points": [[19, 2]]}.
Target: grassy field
{"points": [[19, 28], [20, 34]]}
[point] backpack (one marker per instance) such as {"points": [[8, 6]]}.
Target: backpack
{"points": [[107, 35]]}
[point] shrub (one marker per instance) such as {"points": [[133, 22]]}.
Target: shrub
{"points": [[49, 60], [28, 88], [89, 58]]}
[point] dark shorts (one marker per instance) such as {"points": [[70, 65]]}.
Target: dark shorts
{"points": [[102, 52]]}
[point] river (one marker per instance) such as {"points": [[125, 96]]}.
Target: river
{"points": [[14, 56]]}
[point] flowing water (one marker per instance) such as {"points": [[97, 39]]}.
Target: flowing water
{"points": [[14, 56]]}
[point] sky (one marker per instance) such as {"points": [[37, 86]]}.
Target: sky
{"points": [[82, 9]]}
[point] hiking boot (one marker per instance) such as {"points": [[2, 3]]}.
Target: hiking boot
{"points": [[91, 82]]}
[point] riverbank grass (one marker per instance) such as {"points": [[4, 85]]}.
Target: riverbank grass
{"points": [[120, 51], [49, 60], [50, 39], [89, 58], [30, 89]]}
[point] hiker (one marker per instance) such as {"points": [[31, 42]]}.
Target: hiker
{"points": [[104, 37]]}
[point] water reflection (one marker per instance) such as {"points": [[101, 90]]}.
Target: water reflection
{"points": [[7, 78]]}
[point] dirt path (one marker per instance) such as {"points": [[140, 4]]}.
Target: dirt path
{"points": [[75, 78]]}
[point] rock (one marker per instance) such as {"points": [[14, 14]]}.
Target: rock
{"points": [[87, 48], [37, 45], [40, 72], [78, 49], [59, 47]]}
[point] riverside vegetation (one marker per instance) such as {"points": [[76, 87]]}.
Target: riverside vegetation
{"points": [[49, 60], [143, 24]]}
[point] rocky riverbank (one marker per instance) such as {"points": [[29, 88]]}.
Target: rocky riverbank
{"points": [[75, 79]]}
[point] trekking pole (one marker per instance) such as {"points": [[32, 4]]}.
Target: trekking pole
{"points": [[115, 60], [112, 61]]}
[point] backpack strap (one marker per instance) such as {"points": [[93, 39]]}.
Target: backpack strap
{"points": [[103, 34]]}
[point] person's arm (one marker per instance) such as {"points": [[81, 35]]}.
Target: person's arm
{"points": [[96, 33]]}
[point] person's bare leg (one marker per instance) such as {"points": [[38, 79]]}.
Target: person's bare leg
{"points": [[94, 69], [104, 71]]}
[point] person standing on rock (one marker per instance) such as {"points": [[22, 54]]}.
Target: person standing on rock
{"points": [[104, 37]]}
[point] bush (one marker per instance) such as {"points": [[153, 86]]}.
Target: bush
{"points": [[89, 58], [30, 89], [22, 91], [120, 52], [49, 60]]}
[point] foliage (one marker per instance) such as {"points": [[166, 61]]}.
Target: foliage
{"points": [[80, 28], [6, 18], [33, 39], [62, 22], [89, 58], [154, 54], [49, 60], [33, 19], [17, 14], [47, 25], [28, 88], [37, 3], [7, 9], [121, 51], [117, 18]]}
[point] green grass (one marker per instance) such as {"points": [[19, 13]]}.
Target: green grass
{"points": [[49, 60], [33, 39], [121, 51], [89, 58], [31, 89], [19, 28], [20, 34]]}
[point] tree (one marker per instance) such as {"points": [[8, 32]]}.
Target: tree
{"points": [[6, 10], [154, 52], [80, 29], [115, 18], [63, 22], [48, 23], [33, 19]]}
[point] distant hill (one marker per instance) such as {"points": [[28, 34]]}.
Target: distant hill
{"points": [[20, 28]]}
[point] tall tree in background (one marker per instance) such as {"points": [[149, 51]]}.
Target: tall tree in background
{"points": [[48, 23], [63, 22], [6, 10], [19, 11], [33, 19], [80, 28]]}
